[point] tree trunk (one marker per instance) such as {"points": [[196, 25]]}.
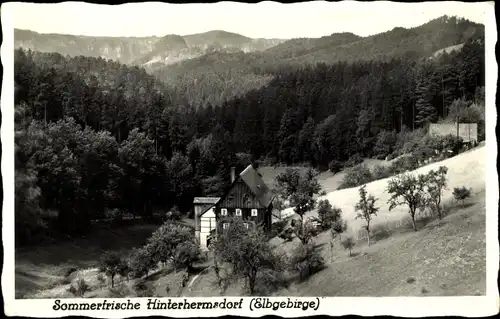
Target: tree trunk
{"points": [[368, 232], [413, 221], [112, 281]]}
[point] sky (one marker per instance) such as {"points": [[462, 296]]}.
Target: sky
{"points": [[262, 20]]}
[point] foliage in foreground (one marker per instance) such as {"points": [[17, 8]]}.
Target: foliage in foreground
{"points": [[246, 252]]}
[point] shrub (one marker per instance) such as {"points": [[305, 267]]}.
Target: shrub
{"points": [[112, 264], [335, 166], [304, 230], [287, 234], [461, 194], [174, 213], [381, 172], [79, 288], [356, 176], [403, 164], [384, 144], [279, 226], [140, 262], [306, 260], [143, 289], [186, 253], [348, 243], [408, 141], [354, 160]]}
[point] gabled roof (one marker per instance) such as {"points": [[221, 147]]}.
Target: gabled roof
{"points": [[205, 200], [254, 181]]}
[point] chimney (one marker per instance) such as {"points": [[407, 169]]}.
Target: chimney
{"points": [[233, 174]]}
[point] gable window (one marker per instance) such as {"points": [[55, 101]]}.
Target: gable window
{"points": [[246, 225], [225, 225], [223, 211], [254, 212], [246, 198], [238, 212]]}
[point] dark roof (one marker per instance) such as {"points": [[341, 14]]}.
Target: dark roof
{"points": [[205, 200], [254, 181]]}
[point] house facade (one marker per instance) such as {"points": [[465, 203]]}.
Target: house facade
{"points": [[248, 198], [204, 219]]}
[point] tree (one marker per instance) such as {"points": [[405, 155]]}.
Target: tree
{"points": [[407, 189], [246, 251], [164, 243], [300, 191], [436, 183], [329, 216], [348, 243], [112, 264], [461, 193], [366, 208], [306, 260], [304, 230]]}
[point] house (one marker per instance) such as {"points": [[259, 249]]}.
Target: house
{"points": [[204, 219], [248, 198]]}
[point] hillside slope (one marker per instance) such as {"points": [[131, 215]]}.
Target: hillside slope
{"points": [[467, 169], [145, 51]]}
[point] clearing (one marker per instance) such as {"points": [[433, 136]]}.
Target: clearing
{"points": [[442, 258]]}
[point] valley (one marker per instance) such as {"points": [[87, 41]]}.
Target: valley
{"points": [[155, 166]]}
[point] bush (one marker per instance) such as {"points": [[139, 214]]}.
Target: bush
{"points": [[143, 289], [461, 194], [174, 214], [348, 243], [335, 166], [186, 253], [287, 234], [403, 164], [385, 144], [307, 261], [408, 141], [112, 264], [79, 288], [140, 262], [279, 226], [381, 172], [356, 176], [437, 147], [354, 160]]}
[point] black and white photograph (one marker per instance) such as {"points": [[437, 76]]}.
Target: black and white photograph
{"points": [[314, 149]]}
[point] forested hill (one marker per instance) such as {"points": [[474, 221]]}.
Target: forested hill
{"points": [[144, 51], [95, 137], [420, 41], [217, 77]]}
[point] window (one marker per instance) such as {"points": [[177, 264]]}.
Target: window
{"points": [[246, 225], [254, 212], [225, 225], [223, 212], [246, 198], [238, 212]]}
